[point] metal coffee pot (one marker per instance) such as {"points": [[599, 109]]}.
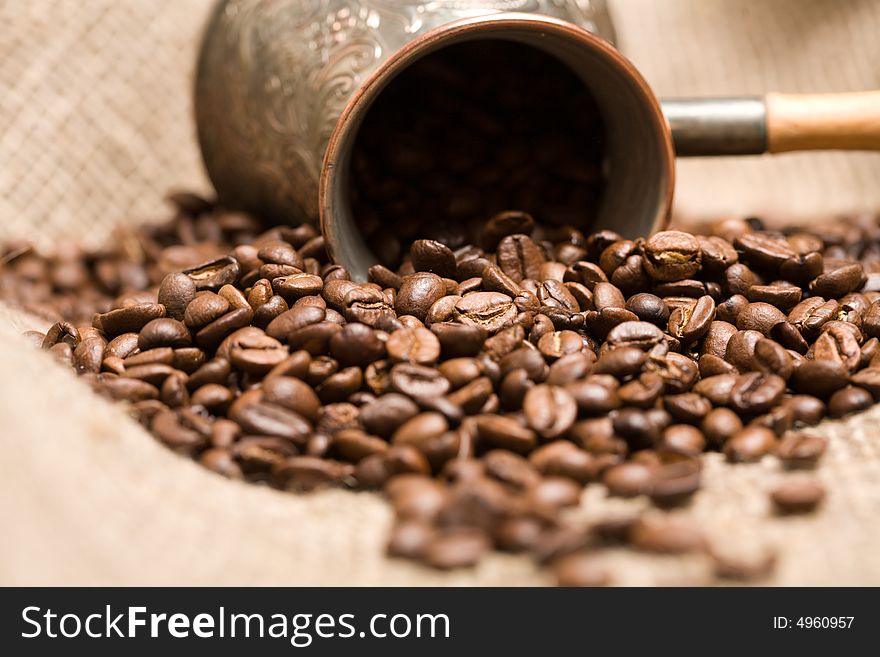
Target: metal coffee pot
{"points": [[283, 87]]}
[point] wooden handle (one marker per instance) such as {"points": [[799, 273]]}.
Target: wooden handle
{"points": [[809, 122]]}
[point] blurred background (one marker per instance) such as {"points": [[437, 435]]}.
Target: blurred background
{"points": [[96, 121]]}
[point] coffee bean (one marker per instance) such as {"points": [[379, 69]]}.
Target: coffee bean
{"points": [[819, 378], [636, 334], [357, 344], [307, 473], [214, 274], [506, 433], [690, 323], [428, 255], [269, 420], [549, 410], [801, 450], [849, 400], [750, 444], [563, 459], [838, 343], [759, 317], [798, 495], [675, 483], [756, 392], [175, 293], [667, 537], [784, 297], [365, 305], [418, 381], [838, 282], [628, 479], [764, 250], [417, 345], [519, 257], [490, 311], [672, 255], [717, 253], [297, 286], [456, 548], [129, 319]]}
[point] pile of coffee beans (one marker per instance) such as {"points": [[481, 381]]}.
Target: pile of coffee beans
{"points": [[483, 387], [467, 132]]}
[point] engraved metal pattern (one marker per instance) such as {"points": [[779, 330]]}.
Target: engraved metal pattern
{"points": [[275, 75]]}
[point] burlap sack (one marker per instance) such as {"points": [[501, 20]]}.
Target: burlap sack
{"points": [[94, 128]]}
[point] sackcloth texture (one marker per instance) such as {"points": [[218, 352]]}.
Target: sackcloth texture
{"points": [[95, 127]]}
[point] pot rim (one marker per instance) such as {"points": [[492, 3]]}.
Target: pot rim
{"points": [[359, 104]]}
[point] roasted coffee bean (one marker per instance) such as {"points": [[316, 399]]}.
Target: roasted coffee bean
{"points": [[801, 450], [690, 323], [628, 479], [459, 339], [717, 253], [357, 344], [563, 459], [366, 305], [819, 378], [784, 297], [750, 444], [761, 317], [294, 395], [741, 347], [519, 257], [756, 392], [214, 274], [637, 427], [635, 334], [798, 495], [838, 282], [643, 391], [672, 255], [849, 400], [838, 343], [621, 362], [418, 381], [648, 308], [490, 311], [716, 338], [720, 425], [428, 255], [297, 286], [128, 319], [687, 407], [355, 445], [506, 433], [675, 483], [672, 536], [606, 295], [416, 345], [729, 309], [307, 473], [456, 548], [764, 250], [738, 280], [164, 332], [771, 358], [549, 410], [175, 293], [269, 420]]}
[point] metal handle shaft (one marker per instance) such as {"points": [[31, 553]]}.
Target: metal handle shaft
{"points": [[717, 126]]}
